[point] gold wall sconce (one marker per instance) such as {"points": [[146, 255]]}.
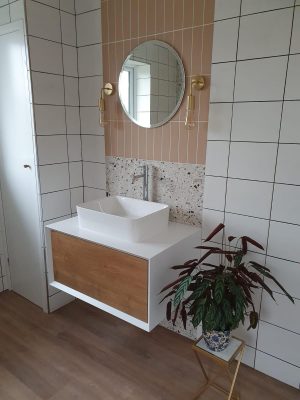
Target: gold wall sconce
{"points": [[197, 83], [107, 90]]}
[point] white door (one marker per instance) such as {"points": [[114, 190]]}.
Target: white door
{"points": [[18, 177]]}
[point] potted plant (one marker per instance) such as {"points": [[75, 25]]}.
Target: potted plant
{"points": [[219, 295]]}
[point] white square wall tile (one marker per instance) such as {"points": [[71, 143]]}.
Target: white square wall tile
{"points": [[278, 369], [279, 343], [4, 15], [286, 201], [52, 3], [89, 89], [284, 241], [54, 177], [93, 148], [90, 60], [217, 158], [73, 120], [93, 194], [225, 40], [290, 122], [295, 45], [242, 198], [76, 198], [68, 28], [292, 91], [47, 89], [88, 28], [74, 147], [86, 5], [214, 193], [94, 175], [287, 273], [256, 121], [71, 91], [56, 204], [281, 312], [210, 220], [90, 121], [265, 35], [45, 56], [222, 82], [255, 79], [17, 11], [288, 164], [49, 120], [43, 21], [219, 121], [255, 6], [252, 161], [240, 225], [52, 149], [227, 9], [70, 60], [3, 2], [75, 174], [68, 5]]}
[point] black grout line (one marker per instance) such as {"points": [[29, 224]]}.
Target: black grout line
{"points": [[252, 216], [281, 327], [277, 358], [252, 59], [251, 180], [86, 12], [253, 101], [62, 190], [55, 8], [254, 13]]}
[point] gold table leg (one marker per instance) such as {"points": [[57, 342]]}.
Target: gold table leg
{"points": [[211, 383]]}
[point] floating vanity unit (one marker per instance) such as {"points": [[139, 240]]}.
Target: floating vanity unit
{"points": [[120, 274]]}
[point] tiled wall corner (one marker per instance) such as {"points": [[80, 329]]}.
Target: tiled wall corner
{"points": [[253, 152]]}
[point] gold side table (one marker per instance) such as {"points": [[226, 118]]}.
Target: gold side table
{"points": [[229, 359]]}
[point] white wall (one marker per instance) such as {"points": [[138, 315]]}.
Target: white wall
{"points": [[9, 11], [253, 161]]}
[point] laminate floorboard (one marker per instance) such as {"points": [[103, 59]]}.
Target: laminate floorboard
{"points": [[80, 352]]}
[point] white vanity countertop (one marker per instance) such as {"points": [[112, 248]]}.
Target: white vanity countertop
{"points": [[154, 246]]}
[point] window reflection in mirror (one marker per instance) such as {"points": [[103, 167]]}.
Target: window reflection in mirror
{"points": [[151, 84]]}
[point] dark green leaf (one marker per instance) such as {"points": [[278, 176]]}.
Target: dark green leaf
{"points": [[180, 292], [219, 290]]}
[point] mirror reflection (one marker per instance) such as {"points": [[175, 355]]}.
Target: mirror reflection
{"points": [[151, 84]]}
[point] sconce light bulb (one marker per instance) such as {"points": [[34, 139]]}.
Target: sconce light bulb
{"points": [[189, 119]]}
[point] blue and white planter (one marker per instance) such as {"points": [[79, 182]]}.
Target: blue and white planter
{"points": [[217, 340]]}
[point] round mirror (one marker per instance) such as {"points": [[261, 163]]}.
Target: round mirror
{"points": [[151, 84]]}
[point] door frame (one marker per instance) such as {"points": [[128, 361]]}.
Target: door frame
{"points": [[6, 29]]}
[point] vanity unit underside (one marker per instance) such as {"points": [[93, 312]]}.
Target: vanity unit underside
{"points": [[119, 277]]}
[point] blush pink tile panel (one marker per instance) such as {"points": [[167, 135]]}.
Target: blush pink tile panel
{"points": [[187, 25]]}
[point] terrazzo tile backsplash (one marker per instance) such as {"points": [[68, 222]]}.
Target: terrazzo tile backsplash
{"points": [[176, 184]]}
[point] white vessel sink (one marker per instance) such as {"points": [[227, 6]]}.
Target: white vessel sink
{"points": [[124, 218]]}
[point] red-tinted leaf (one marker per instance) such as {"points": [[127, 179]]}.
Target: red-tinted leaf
{"points": [[176, 314], [191, 261], [214, 232], [229, 257], [244, 245], [208, 248], [187, 271], [253, 242], [231, 238], [172, 284], [169, 310], [183, 316], [167, 295]]}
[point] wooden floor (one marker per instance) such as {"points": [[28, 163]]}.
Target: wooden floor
{"points": [[80, 352]]}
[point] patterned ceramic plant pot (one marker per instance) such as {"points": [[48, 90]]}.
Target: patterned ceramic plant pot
{"points": [[217, 340]]}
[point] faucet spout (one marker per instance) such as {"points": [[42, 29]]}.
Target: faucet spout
{"points": [[145, 176]]}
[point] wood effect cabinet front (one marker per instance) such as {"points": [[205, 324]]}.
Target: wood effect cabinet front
{"points": [[115, 278]]}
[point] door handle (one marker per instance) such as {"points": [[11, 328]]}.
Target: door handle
{"points": [[27, 166]]}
